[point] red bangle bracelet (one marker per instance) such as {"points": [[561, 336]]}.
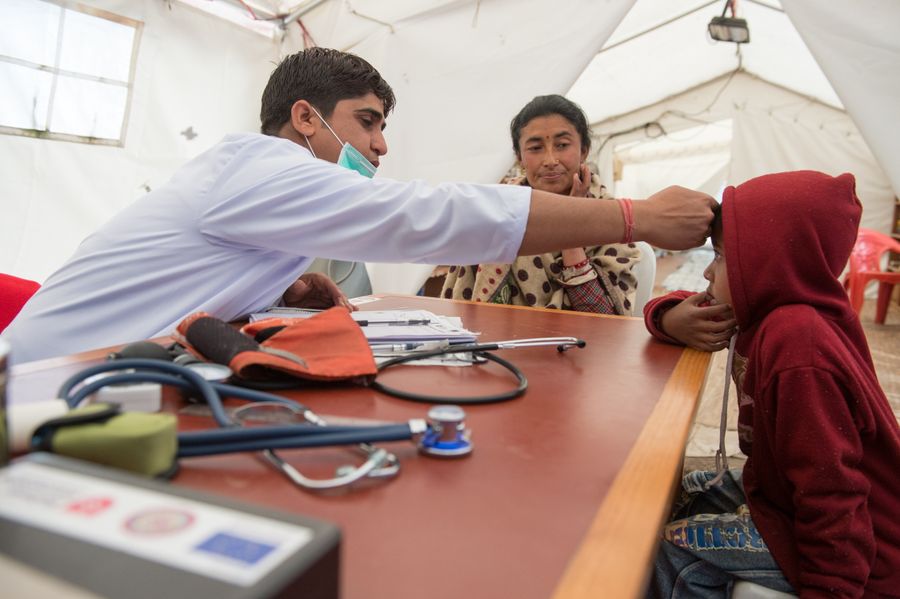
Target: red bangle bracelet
{"points": [[581, 264], [628, 217]]}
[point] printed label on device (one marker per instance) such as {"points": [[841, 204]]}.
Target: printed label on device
{"points": [[213, 541]]}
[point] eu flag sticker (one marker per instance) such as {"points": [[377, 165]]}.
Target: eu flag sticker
{"points": [[236, 548]]}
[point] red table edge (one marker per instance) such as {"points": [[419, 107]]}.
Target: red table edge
{"points": [[638, 501], [640, 497]]}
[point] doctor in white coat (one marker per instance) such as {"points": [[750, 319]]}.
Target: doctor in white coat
{"points": [[235, 229]]}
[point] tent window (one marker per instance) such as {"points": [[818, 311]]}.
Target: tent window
{"points": [[66, 72]]}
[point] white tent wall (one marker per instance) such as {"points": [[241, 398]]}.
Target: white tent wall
{"points": [[765, 144], [192, 71], [697, 158], [662, 48], [774, 129], [703, 172], [857, 47], [461, 69]]}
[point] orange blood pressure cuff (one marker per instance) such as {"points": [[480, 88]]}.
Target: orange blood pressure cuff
{"points": [[326, 347]]}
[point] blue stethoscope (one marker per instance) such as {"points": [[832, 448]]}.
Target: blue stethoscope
{"points": [[443, 434]]}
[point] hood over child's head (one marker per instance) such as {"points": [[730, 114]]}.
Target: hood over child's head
{"points": [[787, 238]]}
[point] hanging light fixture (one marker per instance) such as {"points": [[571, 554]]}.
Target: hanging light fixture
{"points": [[729, 29]]}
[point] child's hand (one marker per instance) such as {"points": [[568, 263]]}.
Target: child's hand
{"points": [[707, 328]]}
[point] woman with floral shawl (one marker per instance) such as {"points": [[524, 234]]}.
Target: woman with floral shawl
{"points": [[551, 140]]}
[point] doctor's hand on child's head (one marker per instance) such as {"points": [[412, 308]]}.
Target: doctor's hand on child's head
{"points": [[315, 290], [704, 327], [675, 218]]}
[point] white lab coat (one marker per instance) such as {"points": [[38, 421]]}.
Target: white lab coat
{"points": [[236, 226]]}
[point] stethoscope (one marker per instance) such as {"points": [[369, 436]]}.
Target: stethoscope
{"points": [[479, 351], [443, 434]]}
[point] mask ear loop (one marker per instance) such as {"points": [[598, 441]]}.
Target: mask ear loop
{"points": [[309, 146], [321, 118]]}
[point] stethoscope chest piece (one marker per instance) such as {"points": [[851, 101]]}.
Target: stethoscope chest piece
{"points": [[447, 435]]}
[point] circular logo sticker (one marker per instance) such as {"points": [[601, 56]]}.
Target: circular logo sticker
{"points": [[159, 521]]}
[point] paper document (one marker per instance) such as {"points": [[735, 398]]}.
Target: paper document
{"points": [[392, 326]]}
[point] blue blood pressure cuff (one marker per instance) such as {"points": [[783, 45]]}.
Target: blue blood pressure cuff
{"points": [[101, 433]]}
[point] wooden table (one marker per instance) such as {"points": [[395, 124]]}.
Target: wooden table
{"points": [[563, 495]]}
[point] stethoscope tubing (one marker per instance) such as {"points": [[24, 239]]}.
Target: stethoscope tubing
{"points": [[231, 437], [396, 432], [480, 350], [270, 432]]}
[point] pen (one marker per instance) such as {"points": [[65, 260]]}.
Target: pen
{"points": [[396, 347], [403, 347], [396, 323]]}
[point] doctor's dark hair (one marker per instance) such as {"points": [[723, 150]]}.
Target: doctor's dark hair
{"points": [[546, 106], [322, 77]]}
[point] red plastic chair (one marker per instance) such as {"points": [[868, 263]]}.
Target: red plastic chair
{"points": [[14, 292], [865, 266]]}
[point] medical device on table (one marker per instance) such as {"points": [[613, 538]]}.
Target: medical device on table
{"points": [[150, 435], [443, 434]]}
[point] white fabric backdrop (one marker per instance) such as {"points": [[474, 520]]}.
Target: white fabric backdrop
{"points": [[763, 144], [461, 69], [192, 70], [857, 46], [774, 130]]}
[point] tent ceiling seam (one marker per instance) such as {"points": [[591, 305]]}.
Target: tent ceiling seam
{"points": [[766, 5], [694, 88], [658, 26]]}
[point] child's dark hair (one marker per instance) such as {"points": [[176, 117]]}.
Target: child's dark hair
{"points": [[545, 106], [715, 226], [323, 77]]}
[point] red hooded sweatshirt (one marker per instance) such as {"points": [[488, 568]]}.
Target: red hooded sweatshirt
{"points": [[822, 475]]}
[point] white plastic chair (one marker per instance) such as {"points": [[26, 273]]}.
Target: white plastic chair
{"points": [[645, 273], [749, 590]]}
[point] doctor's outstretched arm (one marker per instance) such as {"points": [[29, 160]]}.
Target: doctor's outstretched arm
{"points": [[675, 218]]}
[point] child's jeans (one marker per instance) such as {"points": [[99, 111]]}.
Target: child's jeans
{"points": [[711, 542]]}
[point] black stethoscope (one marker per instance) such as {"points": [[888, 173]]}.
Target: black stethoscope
{"points": [[477, 350], [443, 434]]}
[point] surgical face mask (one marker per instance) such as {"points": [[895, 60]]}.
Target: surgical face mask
{"points": [[349, 157]]}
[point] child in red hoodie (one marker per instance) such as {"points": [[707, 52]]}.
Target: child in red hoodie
{"points": [[816, 510]]}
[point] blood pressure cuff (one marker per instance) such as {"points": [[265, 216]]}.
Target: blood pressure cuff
{"points": [[329, 346], [101, 433]]}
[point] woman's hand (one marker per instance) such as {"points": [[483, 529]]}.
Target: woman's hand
{"points": [[315, 290], [573, 256], [581, 182], [581, 188], [707, 328]]}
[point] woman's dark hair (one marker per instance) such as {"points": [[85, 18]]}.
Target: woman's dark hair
{"points": [[545, 106], [322, 77]]}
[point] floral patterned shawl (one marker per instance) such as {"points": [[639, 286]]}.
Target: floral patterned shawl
{"points": [[535, 280]]}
